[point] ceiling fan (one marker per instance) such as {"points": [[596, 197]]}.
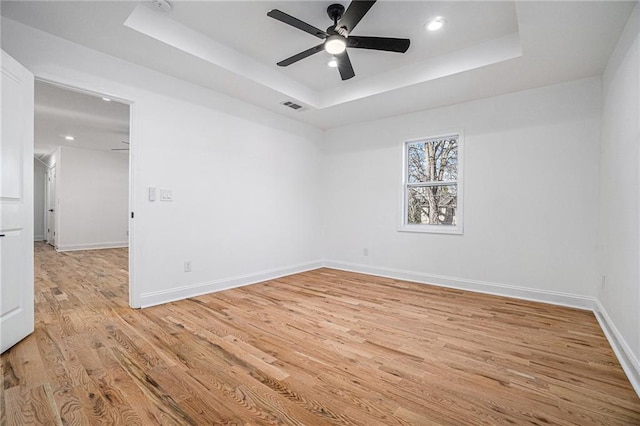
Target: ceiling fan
{"points": [[338, 36]]}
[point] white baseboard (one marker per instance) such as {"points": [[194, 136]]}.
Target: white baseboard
{"points": [[198, 289], [626, 357], [92, 246], [38, 238], [507, 290]]}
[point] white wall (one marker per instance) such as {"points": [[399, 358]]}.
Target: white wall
{"points": [[244, 198], [92, 191], [620, 193], [530, 188], [39, 179], [244, 180]]}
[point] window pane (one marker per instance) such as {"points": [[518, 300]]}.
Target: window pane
{"points": [[433, 160], [432, 205]]}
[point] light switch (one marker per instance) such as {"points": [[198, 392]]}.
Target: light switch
{"points": [[166, 195], [152, 193]]}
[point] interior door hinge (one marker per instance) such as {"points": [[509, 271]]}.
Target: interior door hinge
{"points": [[131, 215]]}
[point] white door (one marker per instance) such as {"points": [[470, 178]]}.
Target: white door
{"points": [[16, 204], [51, 206]]}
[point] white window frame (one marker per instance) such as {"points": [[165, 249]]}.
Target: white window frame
{"points": [[403, 225]]}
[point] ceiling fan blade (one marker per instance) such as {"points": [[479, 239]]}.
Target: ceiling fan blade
{"points": [[344, 66], [379, 43], [295, 22], [354, 13], [301, 55]]}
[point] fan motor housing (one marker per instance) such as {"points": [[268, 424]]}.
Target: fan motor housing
{"points": [[335, 12]]}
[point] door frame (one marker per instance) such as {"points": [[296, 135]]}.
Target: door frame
{"points": [[134, 136], [47, 205]]}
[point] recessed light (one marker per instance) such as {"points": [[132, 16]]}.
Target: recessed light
{"points": [[435, 24], [106, 99], [69, 138], [333, 63]]}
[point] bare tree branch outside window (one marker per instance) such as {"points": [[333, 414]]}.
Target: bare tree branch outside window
{"points": [[431, 181]]}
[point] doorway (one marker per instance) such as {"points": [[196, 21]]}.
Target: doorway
{"points": [[83, 138]]}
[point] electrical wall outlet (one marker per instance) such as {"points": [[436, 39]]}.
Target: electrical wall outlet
{"points": [[187, 266]]}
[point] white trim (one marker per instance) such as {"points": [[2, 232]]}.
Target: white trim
{"points": [[38, 238], [93, 246], [458, 228], [497, 289], [198, 289], [135, 139], [432, 229], [625, 355]]}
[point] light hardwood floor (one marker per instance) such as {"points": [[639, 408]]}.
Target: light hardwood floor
{"points": [[321, 347]]}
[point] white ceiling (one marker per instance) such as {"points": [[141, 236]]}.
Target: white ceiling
{"points": [[271, 41], [93, 122], [487, 48]]}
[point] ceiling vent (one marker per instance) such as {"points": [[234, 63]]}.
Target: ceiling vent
{"points": [[293, 106]]}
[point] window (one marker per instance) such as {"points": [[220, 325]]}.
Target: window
{"points": [[432, 185]]}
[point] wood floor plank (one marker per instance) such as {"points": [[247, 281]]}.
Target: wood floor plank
{"points": [[320, 347], [34, 405]]}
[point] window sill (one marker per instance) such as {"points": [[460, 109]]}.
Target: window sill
{"points": [[432, 229]]}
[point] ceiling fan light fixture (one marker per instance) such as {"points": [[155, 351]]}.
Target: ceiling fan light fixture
{"points": [[333, 62], [338, 36], [435, 24], [335, 44]]}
